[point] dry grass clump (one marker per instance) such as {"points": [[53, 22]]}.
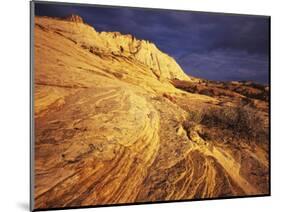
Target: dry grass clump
{"points": [[243, 121], [194, 120]]}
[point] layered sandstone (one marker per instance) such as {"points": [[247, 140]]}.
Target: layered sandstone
{"points": [[118, 121]]}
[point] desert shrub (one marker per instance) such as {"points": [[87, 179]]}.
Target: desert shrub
{"points": [[239, 121], [243, 121], [196, 116], [194, 119]]}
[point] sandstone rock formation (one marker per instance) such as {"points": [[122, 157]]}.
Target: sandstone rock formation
{"points": [[74, 18], [118, 121]]}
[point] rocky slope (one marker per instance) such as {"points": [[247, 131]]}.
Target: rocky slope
{"points": [[118, 121]]}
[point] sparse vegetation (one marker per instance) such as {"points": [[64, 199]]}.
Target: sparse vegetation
{"points": [[193, 121], [243, 121]]}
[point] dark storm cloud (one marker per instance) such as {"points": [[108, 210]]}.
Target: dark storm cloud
{"points": [[227, 65], [214, 46]]}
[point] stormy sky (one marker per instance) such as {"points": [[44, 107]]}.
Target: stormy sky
{"points": [[208, 45]]}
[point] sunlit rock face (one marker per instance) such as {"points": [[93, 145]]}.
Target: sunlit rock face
{"points": [[118, 121], [74, 18]]}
